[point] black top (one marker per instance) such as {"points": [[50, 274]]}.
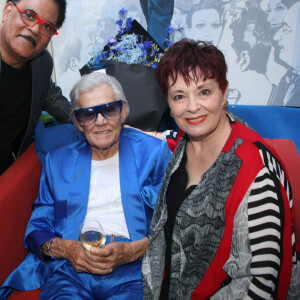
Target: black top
{"points": [[15, 104], [175, 196]]}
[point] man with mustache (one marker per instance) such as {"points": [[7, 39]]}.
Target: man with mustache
{"points": [[26, 87]]}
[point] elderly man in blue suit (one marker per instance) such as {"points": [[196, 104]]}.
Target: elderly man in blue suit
{"points": [[113, 175]]}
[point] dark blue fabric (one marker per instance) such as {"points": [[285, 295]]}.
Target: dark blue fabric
{"points": [[158, 14], [273, 122]]}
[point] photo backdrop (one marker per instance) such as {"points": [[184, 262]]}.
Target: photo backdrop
{"points": [[259, 38]]}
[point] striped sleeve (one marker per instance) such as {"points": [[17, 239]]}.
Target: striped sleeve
{"points": [[256, 251], [265, 224], [256, 256]]}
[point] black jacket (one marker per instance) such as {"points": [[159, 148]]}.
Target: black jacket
{"points": [[46, 96]]}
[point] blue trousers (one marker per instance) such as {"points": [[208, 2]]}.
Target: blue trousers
{"points": [[66, 283]]}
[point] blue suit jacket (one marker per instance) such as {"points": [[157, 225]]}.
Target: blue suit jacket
{"points": [[64, 189]]}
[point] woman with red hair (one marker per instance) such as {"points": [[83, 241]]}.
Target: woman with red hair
{"points": [[222, 223]]}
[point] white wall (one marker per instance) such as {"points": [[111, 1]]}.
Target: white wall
{"points": [[2, 4]]}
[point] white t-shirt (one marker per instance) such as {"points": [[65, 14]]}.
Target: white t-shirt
{"points": [[105, 203]]}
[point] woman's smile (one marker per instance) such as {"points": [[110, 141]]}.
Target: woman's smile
{"points": [[196, 120]]}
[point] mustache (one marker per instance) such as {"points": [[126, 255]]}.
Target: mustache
{"points": [[30, 39]]}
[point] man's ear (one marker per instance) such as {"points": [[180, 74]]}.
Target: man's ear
{"points": [[7, 10], [244, 60]]}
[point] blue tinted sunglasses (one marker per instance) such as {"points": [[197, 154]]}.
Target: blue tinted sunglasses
{"points": [[88, 116]]}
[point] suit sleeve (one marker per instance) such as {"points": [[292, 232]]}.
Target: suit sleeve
{"points": [[40, 227], [57, 105], [161, 160]]}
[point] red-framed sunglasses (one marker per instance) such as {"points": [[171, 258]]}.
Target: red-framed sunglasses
{"points": [[30, 19]]}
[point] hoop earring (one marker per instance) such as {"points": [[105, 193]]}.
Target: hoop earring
{"points": [[224, 104]]}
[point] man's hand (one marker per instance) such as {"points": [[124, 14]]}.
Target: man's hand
{"points": [[119, 253], [99, 260], [80, 259]]}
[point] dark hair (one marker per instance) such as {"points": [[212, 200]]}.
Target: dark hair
{"points": [[62, 6], [187, 57]]}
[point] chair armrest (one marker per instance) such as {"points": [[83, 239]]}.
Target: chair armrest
{"points": [[19, 187], [289, 155]]}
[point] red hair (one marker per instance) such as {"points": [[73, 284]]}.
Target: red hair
{"points": [[188, 57]]}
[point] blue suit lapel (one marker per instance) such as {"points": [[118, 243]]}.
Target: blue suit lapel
{"points": [[133, 204], [78, 173], [77, 199]]}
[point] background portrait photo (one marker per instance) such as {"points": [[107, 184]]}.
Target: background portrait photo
{"points": [[259, 38]]}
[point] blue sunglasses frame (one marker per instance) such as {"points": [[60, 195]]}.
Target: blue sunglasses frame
{"points": [[97, 110]]}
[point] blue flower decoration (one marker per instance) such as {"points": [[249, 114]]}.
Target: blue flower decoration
{"points": [[100, 56], [153, 53], [144, 53], [112, 40], [123, 12], [128, 47], [119, 22], [179, 28], [148, 45], [169, 29], [128, 24]]}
